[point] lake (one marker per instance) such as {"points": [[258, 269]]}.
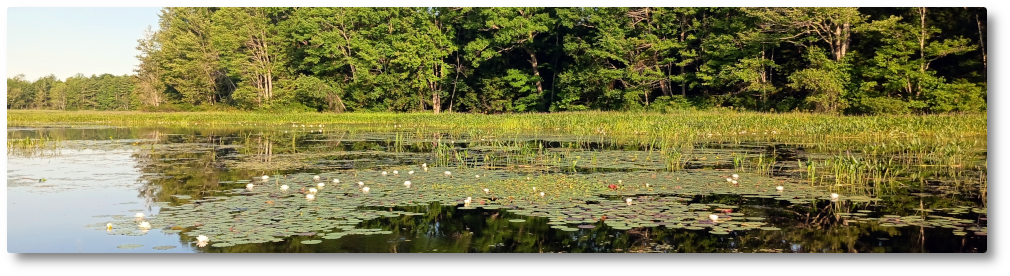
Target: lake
{"points": [[399, 188]]}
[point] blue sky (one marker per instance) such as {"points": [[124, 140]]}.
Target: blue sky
{"points": [[67, 41]]}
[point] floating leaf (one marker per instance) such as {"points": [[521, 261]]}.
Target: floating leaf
{"points": [[129, 246]]}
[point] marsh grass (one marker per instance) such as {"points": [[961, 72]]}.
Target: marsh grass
{"points": [[866, 154], [33, 147]]}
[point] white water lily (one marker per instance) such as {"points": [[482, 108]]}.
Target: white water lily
{"points": [[284, 187], [780, 188], [486, 191], [734, 182], [619, 182], [834, 196], [541, 194], [736, 176], [628, 200], [320, 185], [139, 215], [534, 189], [108, 226], [310, 196], [316, 178], [396, 172], [714, 217], [410, 172], [202, 238], [467, 201], [265, 177], [361, 183], [476, 176], [336, 180], [313, 190], [365, 189], [384, 173], [249, 186], [647, 185], [729, 180], [424, 165], [406, 183], [145, 225], [447, 173]]}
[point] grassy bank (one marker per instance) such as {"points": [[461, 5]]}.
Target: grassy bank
{"points": [[615, 124], [872, 134], [866, 151]]}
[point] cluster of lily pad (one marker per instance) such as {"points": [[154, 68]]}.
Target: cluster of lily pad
{"points": [[959, 226], [330, 205]]}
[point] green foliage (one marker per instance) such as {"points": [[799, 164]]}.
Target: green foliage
{"points": [[672, 103], [960, 96], [884, 105], [826, 79], [192, 65], [517, 59]]}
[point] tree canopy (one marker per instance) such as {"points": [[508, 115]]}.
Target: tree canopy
{"points": [[500, 60]]}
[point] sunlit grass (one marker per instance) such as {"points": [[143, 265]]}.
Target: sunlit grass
{"points": [[29, 147], [861, 151]]}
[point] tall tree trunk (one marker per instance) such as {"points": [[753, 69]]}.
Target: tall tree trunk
{"points": [[922, 48], [436, 102], [452, 97], [664, 86], [683, 77], [536, 72], [844, 47], [771, 68], [683, 82], [981, 42], [269, 67], [764, 79]]}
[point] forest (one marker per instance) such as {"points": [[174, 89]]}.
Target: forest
{"points": [[517, 60]]}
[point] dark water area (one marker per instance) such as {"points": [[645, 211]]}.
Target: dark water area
{"points": [[61, 199]]}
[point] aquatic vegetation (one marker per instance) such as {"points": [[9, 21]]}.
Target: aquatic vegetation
{"points": [[576, 200], [29, 147], [734, 175]]}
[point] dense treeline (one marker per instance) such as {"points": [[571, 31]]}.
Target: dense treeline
{"points": [[494, 60], [105, 92]]}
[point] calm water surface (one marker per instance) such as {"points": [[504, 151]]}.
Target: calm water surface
{"points": [[59, 200]]}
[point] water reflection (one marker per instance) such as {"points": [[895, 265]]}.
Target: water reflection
{"points": [[201, 163]]}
